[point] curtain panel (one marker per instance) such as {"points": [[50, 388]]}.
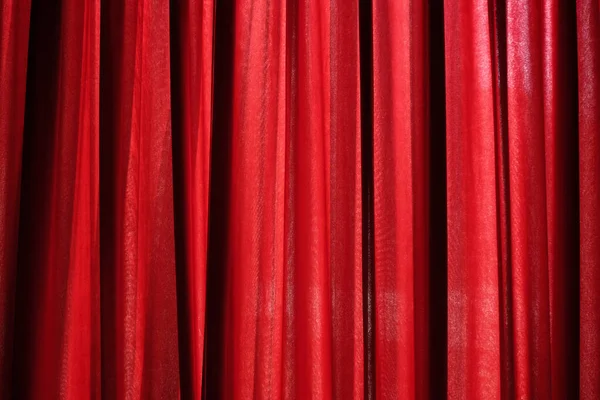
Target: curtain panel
{"points": [[294, 199]]}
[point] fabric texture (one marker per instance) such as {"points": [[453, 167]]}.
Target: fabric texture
{"points": [[294, 199]]}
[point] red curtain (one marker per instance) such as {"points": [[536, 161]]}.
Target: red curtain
{"points": [[395, 199]]}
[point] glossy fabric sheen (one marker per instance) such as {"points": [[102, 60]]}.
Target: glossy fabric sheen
{"points": [[293, 199]]}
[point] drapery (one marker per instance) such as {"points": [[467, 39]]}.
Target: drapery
{"points": [[388, 199]]}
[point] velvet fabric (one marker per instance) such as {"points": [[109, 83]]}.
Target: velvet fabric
{"points": [[294, 199]]}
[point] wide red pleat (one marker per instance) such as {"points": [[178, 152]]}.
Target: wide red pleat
{"points": [[400, 173], [139, 300], [473, 307], [588, 56], [252, 335]]}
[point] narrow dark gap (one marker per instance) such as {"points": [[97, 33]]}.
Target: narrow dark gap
{"points": [[568, 33], [218, 219], [111, 53], [438, 268], [36, 178], [368, 230], [498, 34], [180, 220]]}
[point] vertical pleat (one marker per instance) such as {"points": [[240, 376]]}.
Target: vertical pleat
{"points": [[57, 318], [473, 298], [588, 55], [307, 273], [14, 31], [191, 50], [254, 260], [80, 368], [345, 202], [528, 193], [400, 172], [139, 310], [560, 121]]}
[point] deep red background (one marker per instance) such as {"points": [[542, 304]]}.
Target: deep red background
{"points": [[300, 198]]}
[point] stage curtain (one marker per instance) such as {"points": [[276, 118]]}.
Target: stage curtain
{"points": [[294, 199]]}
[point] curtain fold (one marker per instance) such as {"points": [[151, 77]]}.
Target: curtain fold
{"points": [[14, 20], [588, 52], [473, 306], [139, 297], [191, 29], [55, 345], [300, 199], [400, 198]]}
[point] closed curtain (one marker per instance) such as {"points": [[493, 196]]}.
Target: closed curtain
{"points": [[294, 199]]}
